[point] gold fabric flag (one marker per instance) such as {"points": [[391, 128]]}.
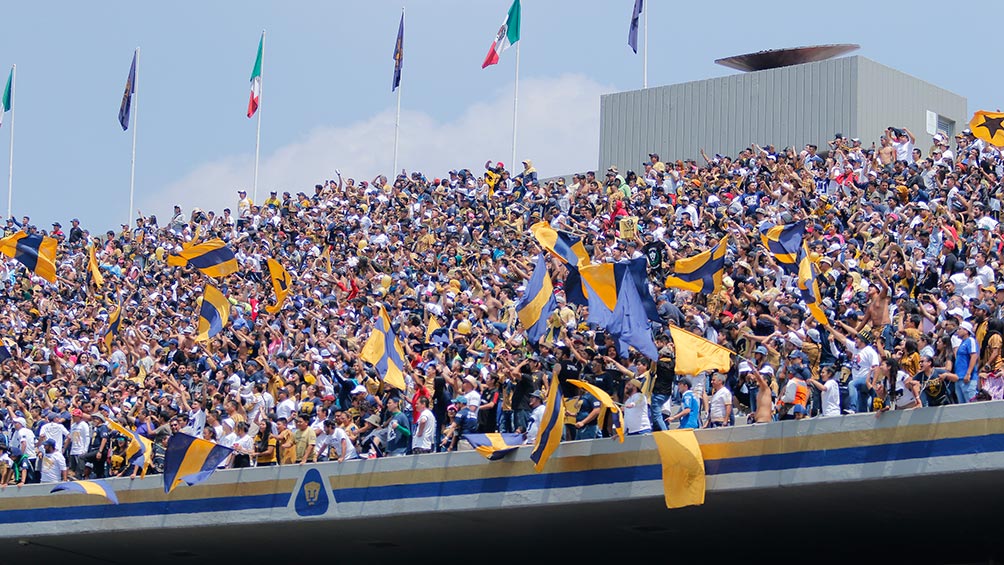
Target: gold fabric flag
{"points": [[988, 126], [683, 479]]}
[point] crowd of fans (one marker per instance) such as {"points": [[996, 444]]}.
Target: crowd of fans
{"points": [[906, 239]]}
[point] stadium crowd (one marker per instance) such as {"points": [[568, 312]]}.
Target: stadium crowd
{"points": [[906, 240]]}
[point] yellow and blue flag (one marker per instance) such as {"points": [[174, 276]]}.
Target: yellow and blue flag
{"points": [[212, 257], [695, 355], [281, 284], [808, 288], [139, 452], [495, 446], [702, 272], [213, 313], [549, 430], [95, 487], [633, 28], [35, 252], [112, 330], [383, 350], [563, 245], [784, 242], [538, 302], [130, 88], [616, 305], [93, 268], [607, 403], [398, 55], [191, 460]]}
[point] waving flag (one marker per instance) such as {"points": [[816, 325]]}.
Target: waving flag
{"points": [[213, 313], [212, 257], [495, 446], [808, 288], [256, 79], [112, 330], [130, 88], [7, 102], [36, 253], [549, 430], [191, 460], [633, 30], [988, 126], [507, 35], [537, 303], [607, 403], [785, 244], [566, 247], [93, 268], [139, 452], [398, 55], [281, 284], [96, 487], [694, 354], [384, 351], [683, 475], [702, 272]]}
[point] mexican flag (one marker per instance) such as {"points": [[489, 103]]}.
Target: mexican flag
{"points": [[256, 80], [8, 96], [508, 34]]}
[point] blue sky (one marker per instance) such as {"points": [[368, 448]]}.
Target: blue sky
{"points": [[326, 96]]}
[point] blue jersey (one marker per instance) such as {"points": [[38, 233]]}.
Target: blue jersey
{"points": [[691, 420]]}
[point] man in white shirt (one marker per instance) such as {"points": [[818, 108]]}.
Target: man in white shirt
{"points": [[636, 418], [286, 405], [864, 359], [54, 430], [53, 463], [425, 430], [24, 439], [537, 410], [720, 406], [80, 442], [470, 387]]}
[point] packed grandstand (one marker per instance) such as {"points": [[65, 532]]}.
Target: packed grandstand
{"points": [[847, 280]]}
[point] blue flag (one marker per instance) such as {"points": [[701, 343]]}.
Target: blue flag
{"points": [[633, 30], [130, 88], [398, 55]]}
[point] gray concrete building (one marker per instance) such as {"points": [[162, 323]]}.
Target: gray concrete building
{"points": [[793, 105]]}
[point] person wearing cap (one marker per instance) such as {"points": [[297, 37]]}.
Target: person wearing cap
{"points": [[287, 405], [537, 408], [636, 412], [53, 466], [471, 391], [464, 422], [689, 415], [966, 363], [864, 360], [795, 399]]}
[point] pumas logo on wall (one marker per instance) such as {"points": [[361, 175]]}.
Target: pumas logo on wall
{"points": [[312, 500]]}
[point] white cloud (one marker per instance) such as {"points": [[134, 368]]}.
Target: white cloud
{"points": [[558, 130]]}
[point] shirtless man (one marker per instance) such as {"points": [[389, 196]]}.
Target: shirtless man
{"points": [[764, 405], [886, 153], [877, 312]]}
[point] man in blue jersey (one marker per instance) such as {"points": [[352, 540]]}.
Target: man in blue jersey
{"points": [[689, 414]]}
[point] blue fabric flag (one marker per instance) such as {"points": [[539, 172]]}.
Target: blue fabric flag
{"points": [[633, 30], [130, 88], [398, 55]]}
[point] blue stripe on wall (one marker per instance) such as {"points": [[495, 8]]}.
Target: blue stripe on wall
{"points": [[99, 511], [774, 462]]}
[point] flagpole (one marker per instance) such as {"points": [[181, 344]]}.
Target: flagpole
{"points": [[515, 106], [257, 138], [644, 56], [397, 120], [135, 126], [10, 170]]}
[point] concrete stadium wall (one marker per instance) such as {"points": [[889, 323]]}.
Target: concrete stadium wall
{"points": [[793, 105], [949, 440]]}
